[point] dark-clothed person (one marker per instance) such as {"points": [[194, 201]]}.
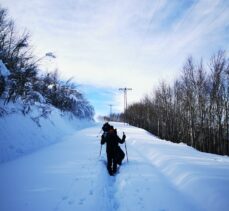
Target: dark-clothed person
{"points": [[114, 153]]}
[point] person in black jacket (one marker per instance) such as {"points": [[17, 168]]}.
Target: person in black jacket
{"points": [[114, 152]]}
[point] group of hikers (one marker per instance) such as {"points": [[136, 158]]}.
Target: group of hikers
{"points": [[115, 155]]}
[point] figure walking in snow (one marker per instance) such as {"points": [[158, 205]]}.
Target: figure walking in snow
{"points": [[115, 155]]}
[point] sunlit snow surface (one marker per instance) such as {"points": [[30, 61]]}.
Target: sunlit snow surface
{"points": [[70, 175]]}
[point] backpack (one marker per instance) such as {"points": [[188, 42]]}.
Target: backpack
{"points": [[119, 155]]}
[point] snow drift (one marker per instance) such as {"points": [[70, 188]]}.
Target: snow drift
{"points": [[22, 134]]}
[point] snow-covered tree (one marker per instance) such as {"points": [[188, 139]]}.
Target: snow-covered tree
{"points": [[22, 81]]}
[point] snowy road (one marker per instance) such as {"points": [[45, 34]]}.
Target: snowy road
{"points": [[71, 176]]}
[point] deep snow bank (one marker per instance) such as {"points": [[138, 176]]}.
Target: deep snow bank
{"points": [[21, 134], [201, 177]]}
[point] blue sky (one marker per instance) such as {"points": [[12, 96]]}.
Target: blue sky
{"points": [[107, 44]]}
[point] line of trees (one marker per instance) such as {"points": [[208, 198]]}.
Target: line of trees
{"points": [[24, 82], [194, 110]]}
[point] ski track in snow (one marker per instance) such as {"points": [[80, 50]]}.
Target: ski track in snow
{"points": [[70, 176]]}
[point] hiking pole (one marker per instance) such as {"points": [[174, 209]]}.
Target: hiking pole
{"points": [[126, 149], [100, 150]]}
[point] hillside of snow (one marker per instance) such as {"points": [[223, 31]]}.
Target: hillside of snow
{"points": [[160, 175], [22, 134], [36, 111]]}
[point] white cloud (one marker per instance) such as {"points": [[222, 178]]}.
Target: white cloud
{"points": [[124, 43]]}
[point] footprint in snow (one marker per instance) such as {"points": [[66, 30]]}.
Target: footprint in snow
{"points": [[116, 206], [81, 201], [64, 198], [71, 202]]}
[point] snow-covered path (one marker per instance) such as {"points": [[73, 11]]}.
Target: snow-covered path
{"points": [[71, 176]]}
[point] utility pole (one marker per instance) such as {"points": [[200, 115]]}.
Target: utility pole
{"points": [[125, 89], [110, 109]]}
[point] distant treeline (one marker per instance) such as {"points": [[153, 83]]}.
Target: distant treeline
{"points": [[194, 110], [26, 84]]}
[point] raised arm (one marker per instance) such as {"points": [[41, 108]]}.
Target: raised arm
{"points": [[121, 141]]}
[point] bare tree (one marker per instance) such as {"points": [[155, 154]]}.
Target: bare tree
{"points": [[195, 110]]}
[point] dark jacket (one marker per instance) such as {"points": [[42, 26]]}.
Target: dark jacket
{"points": [[112, 140]]}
